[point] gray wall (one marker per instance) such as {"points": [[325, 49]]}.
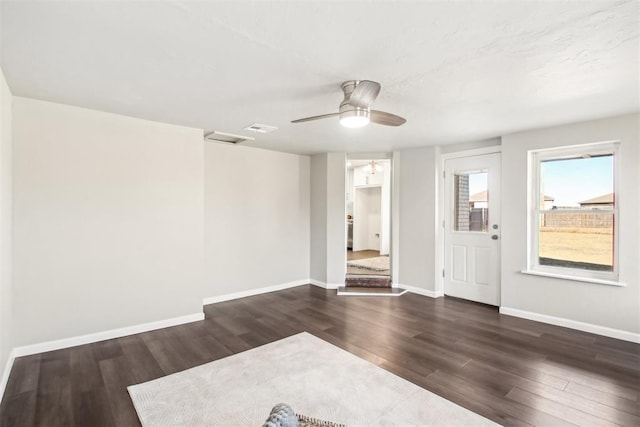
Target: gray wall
{"points": [[108, 221], [336, 219], [418, 205], [318, 243], [6, 306], [328, 218], [256, 218], [469, 145], [608, 306], [119, 221]]}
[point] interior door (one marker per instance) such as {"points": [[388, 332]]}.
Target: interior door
{"points": [[472, 228]]}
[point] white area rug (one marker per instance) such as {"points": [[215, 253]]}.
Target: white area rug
{"points": [[379, 263], [316, 378]]}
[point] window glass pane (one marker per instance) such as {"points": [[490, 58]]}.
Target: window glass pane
{"points": [[577, 240], [584, 182], [576, 234], [471, 202]]}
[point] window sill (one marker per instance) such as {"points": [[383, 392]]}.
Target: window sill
{"points": [[574, 278]]}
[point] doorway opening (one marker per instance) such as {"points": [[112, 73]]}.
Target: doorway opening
{"points": [[368, 203]]}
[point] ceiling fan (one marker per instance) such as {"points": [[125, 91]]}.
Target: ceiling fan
{"points": [[355, 111]]}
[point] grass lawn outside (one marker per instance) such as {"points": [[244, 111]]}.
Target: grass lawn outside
{"points": [[588, 245]]}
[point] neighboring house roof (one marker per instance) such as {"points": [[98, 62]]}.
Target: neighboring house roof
{"points": [[605, 199], [478, 197], [482, 197]]}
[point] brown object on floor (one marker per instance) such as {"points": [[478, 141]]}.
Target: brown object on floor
{"points": [[367, 281], [513, 371]]}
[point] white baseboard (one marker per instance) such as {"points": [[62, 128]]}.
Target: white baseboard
{"points": [[370, 294], [324, 285], [5, 375], [105, 335], [573, 324], [251, 292], [421, 291]]}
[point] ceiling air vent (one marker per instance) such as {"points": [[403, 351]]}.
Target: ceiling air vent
{"points": [[229, 138], [258, 128]]}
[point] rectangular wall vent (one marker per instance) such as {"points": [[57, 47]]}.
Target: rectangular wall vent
{"points": [[228, 138], [258, 128]]}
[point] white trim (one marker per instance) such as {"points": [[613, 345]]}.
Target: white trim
{"points": [[371, 294], [471, 153], [421, 291], [574, 278], [381, 155], [252, 292], [324, 285], [5, 374], [318, 283], [105, 335], [573, 324]]}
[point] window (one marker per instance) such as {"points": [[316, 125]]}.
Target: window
{"points": [[574, 212], [471, 202]]}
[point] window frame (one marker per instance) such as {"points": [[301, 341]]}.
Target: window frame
{"points": [[536, 157]]}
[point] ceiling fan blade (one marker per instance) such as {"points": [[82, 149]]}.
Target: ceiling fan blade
{"points": [[387, 119], [364, 94], [322, 116]]}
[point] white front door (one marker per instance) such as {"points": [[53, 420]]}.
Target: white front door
{"points": [[472, 228]]}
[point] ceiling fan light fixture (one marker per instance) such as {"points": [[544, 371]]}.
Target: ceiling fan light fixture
{"points": [[355, 118], [355, 109]]}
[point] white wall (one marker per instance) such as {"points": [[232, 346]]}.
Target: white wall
{"points": [[108, 221], [607, 306], [375, 217], [6, 341], [385, 218], [470, 145], [256, 218], [361, 175], [418, 204], [350, 190], [367, 219], [318, 216]]}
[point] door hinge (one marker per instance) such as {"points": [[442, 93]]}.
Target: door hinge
{"points": [[443, 223], [443, 272], [444, 174]]}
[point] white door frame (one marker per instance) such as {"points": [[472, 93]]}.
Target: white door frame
{"points": [[440, 215]]}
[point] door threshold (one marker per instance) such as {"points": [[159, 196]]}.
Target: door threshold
{"points": [[372, 292]]}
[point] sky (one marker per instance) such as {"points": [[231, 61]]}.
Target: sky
{"points": [[568, 181], [574, 180], [477, 182]]}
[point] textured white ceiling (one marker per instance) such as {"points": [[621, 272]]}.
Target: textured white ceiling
{"points": [[458, 71]]}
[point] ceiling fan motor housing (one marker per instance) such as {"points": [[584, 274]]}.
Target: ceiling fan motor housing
{"points": [[346, 109]]}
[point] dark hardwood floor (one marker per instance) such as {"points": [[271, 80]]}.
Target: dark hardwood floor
{"points": [[513, 371]]}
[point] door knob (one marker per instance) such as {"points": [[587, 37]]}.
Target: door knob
{"points": [[494, 237]]}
